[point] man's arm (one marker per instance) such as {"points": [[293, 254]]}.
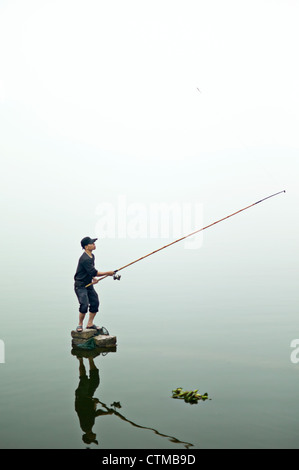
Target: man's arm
{"points": [[106, 273], [89, 268], [100, 275]]}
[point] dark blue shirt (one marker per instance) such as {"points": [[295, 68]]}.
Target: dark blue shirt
{"points": [[85, 270]]}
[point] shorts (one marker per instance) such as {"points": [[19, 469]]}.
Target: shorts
{"points": [[87, 297]]}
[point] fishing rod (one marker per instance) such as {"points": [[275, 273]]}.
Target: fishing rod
{"points": [[117, 276]]}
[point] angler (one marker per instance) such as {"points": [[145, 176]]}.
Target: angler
{"points": [[86, 294]]}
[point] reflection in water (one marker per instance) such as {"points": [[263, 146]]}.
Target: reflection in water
{"points": [[170, 438], [86, 403]]}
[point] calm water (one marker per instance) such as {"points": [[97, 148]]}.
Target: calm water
{"points": [[183, 318]]}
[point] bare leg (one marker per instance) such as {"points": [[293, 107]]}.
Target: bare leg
{"points": [[81, 319], [91, 318]]}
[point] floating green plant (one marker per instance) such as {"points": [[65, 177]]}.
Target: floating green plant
{"points": [[191, 397]]}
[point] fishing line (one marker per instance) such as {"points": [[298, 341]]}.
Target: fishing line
{"points": [[183, 238]]}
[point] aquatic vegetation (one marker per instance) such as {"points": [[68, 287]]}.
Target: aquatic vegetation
{"points": [[191, 397]]}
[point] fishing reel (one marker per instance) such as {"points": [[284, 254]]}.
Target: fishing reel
{"points": [[116, 277]]}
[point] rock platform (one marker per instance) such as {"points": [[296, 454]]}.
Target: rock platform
{"points": [[86, 337]]}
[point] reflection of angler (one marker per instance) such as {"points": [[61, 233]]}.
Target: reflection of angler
{"points": [[85, 404]]}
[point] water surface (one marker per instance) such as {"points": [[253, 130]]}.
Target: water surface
{"points": [[220, 330]]}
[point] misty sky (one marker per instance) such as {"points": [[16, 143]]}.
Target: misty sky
{"points": [[156, 101]]}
